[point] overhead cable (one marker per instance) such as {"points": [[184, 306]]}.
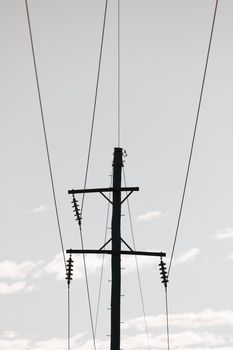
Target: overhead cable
{"points": [[78, 218], [87, 167], [167, 319], [95, 100], [45, 133], [69, 274], [164, 280], [194, 137]]}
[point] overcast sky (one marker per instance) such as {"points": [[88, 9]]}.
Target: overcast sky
{"points": [[163, 51]]}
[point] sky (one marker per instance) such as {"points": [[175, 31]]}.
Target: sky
{"points": [[163, 51]]}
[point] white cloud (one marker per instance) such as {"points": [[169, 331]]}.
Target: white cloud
{"points": [[207, 318], [185, 340], [129, 262], [178, 341], [56, 266], [151, 215], [13, 270], [15, 344], [9, 334], [39, 209], [19, 343], [187, 257], [30, 288], [230, 257], [29, 269], [225, 233], [9, 289]]}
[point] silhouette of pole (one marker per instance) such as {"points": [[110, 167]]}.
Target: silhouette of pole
{"points": [[116, 247]]}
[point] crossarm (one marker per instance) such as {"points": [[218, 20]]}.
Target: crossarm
{"points": [[124, 252]]}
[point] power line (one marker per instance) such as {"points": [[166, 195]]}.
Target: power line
{"points": [[167, 319], [194, 136], [137, 268], [87, 167], [164, 280], [69, 274], [95, 101], [44, 131], [68, 314], [88, 290]]}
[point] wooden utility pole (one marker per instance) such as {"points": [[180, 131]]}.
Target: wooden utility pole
{"points": [[116, 240], [116, 247]]}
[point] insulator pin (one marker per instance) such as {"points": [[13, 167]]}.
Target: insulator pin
{"points": [[69, 270], [163, 273], [76, 210]]}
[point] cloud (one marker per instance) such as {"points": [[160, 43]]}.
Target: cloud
{"points": [[9, 334], [225, 233], [20, 343], [184, 340], [29, 269], [179, 341], [151, 215], [39, 209], [206, 318], [230, 257], [56, 266], [13, 270], [187, 257], [129, 262], [9, 289]]}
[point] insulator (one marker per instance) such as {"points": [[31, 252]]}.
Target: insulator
{"points": [[69, 269], [163, 273], [76, 210]]}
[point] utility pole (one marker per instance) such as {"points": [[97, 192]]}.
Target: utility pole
{"points": [[116, 246], [116, 240]]}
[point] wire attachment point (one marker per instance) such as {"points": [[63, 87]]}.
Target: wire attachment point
{"points": [[69, 269], [76, 210], [163, 273]]}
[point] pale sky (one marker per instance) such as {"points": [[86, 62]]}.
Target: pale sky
{"points": [[163, 51]]}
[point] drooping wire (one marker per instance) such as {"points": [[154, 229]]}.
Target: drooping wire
{"points": [[78, 218], [167, 319], [87, 168], [95, 101], [44, 131], [102, 265], [118, 72], [68, 315], [137, 267], [194, 136]]}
